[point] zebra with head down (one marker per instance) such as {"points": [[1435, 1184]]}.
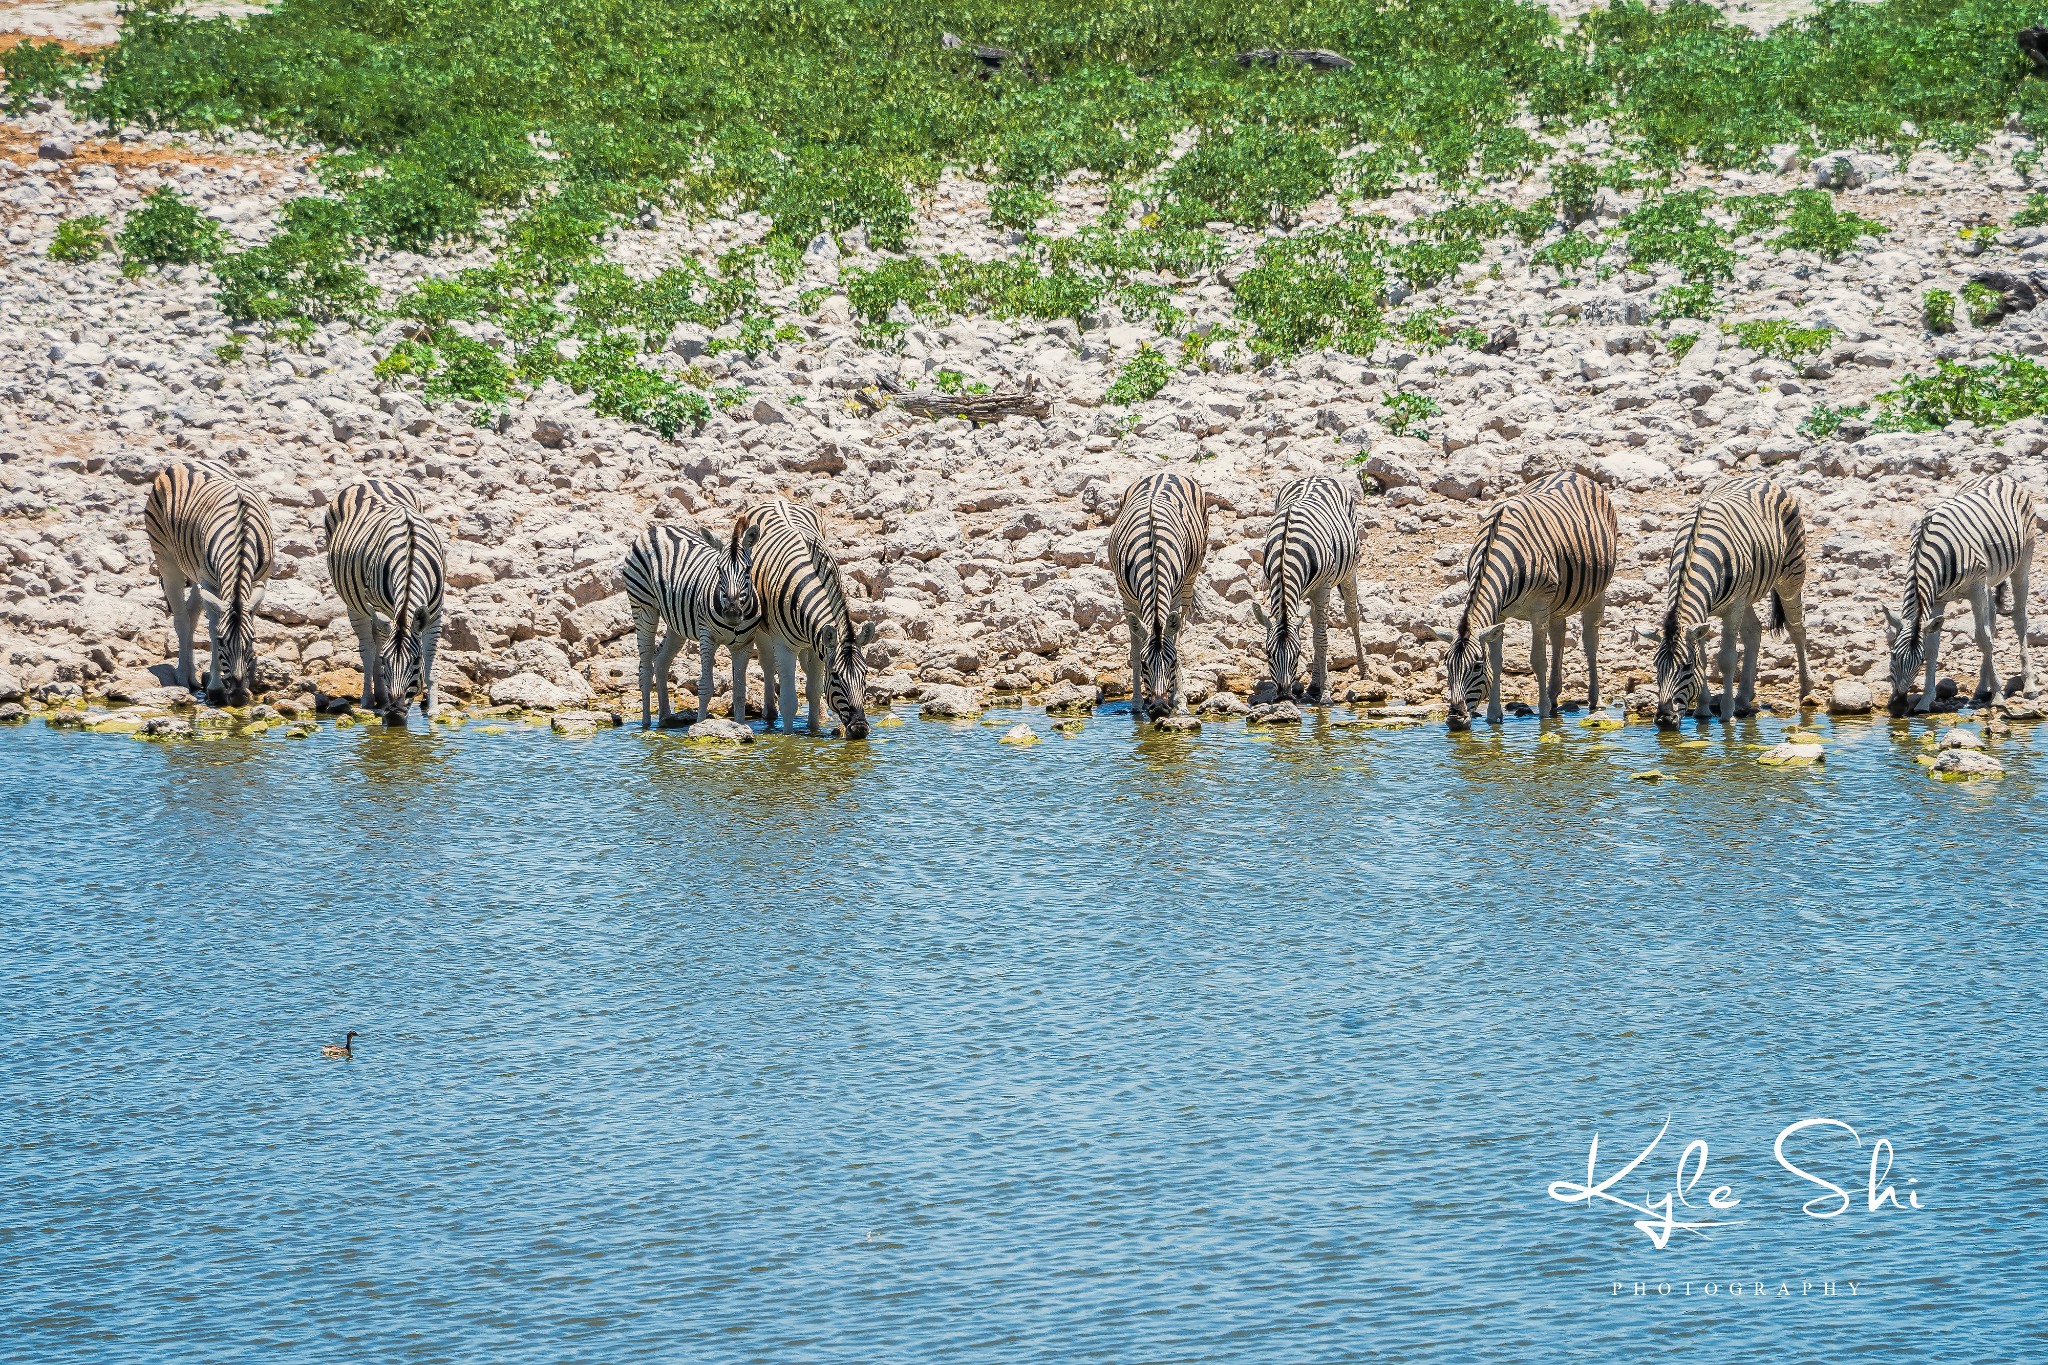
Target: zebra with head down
{"points": [[804, 618], [1156, 550], [1311, 547], [701, 589], [1978, 543], [210, 533], [389, 567]]}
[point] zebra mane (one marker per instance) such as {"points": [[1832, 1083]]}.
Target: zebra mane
{"points": [[1914, 609], [1480, 557], [827, 569]]}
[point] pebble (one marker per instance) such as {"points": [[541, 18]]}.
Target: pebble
{"points": [[1275, 713], [1019, 733]]}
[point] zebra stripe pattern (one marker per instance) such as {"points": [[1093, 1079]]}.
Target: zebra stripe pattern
{"points": [[1311, 546], [210, 533], [804, 618], [701, 590], [389, 566], [1977, 543], [1156, 550], [1542, 557], [1747, 541]]}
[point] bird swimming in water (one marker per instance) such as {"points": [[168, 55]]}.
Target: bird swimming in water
{"points": [[345, 1052]]}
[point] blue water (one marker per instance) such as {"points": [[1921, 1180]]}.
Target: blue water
{"points": [[1232, 1048]]}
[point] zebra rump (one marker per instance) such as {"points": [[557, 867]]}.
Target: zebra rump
{"points": [[210, 533], [1977, 543], [805, 619], [389, 567], [1311, 547]]}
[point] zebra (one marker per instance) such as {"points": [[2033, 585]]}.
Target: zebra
{"points": [[1156, 550], [210, 534], [389, 567], [1311, 547], [1747, 540], [804, 617], [701, 590], [1977, 543], [1542, 556]]}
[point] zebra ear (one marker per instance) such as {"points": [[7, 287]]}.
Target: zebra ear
{"points": [[212, 602], [1173, 622], [828, 642], [1892, 624], [1695, 632], [1493, 632], [1447, 636], [866, 636], [750, 537], [717, 545], [1259, 611]]}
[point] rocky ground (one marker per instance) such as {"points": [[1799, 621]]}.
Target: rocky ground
{"points": [[978, 551]]}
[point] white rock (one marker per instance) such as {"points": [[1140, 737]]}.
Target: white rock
{"points": [[532, 691]]}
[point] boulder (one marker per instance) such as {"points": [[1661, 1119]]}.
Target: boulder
{"points": [[1963, 765], [1793, 755], [1072, 699], [1960, 738], [1848, 697], [10, 685], [945, 701], [573, 723], [720, 731], [166, 727], [1020, 733], [1224, 704], [527, 690], [1180, 724], [11, 712], [1275, 713], [1849, 170]]}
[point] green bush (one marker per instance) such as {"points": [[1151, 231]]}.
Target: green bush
{"points": [[1824, 421], [1986, 304], [1314, 290], [1757, 212], [1408, 414], [1249, 175], [1783, 339], [303, 274], [1019, 206], [1696, 301], [80, 239], [1141, 377], [2005, 388], [1815, 225], [1570, 252], [1675, 229], [1938, 311], [168, 230], [33, 69], [2035, 213]]}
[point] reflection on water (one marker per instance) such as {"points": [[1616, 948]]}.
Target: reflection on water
{"points": [[1232, 1046]]}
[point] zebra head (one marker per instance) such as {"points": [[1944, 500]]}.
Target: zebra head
{"points": [[1283, 647], [1162, 664], [846, 675], [232, 622], [402, 657], [734, 601], [1681, 669], [1903, 635], [1467, 666]]}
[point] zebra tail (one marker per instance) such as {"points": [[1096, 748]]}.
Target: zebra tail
{"points": [[2001, 598], [1776, 621]]}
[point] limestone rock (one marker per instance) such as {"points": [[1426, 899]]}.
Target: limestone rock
{"points": [[944, 701], [1960, 738], [1072, 699], [1019, 733], [528, 690], [1180, 724], [1848, 697], [720, 731], [1275, 713], [1966, 765], [1793, 755], [1224, 704], [10, 685]]}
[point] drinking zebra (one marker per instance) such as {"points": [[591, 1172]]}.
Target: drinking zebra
{"points": [[389, 568], [1747, 541], [1542, 556], [1156, 550], [804, 617], [700, 590], [210, 533], [1977, 543], [1311, 547]]}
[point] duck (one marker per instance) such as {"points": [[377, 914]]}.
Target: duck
{"points": [[345, 1051]]}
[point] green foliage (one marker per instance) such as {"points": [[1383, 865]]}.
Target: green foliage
{"points": [[80, 239], [1019, 206], [1570, 252], [1986, 304], [1408, 414], [1249, 175], [1141, 377], [1678, 343], [2005, 388], [1781, 338], [1314, 290], [1815, 225], [1757, 212], [2035, 213], [1824, 421], [1688, 301], [1938, 311], [33, 69], [304, 274], [168, 230], [1572, 186], [1675, 229]]}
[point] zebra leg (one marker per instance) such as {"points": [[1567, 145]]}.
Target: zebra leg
{"points": [[769, 708], [1984, 621], [643, 633], [366, 648], [1731, 645], [1930, 647], [1137, 665], [707, 659], [1348, 590], [785, 669], [1795, 626], [1589, 636], [741, 651], [1557, 629], [1319, 622], [175, 598], [814, 691], [1539, 663], [1494, 715], [429, 645], [1752, 648], [2019, 625]]}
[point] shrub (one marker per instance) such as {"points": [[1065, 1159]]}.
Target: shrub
{"points": [[2005, 388], [33, 69], [1815, 225], [1688, 301], [1249, 175], [1315, 289], [1986, 304], [1756, 212], [80, 239], [303, 274], [1019, 206], [1938, 311], [1569, 252], [168, 230], [1424, 264], [1141, 377], [1572, 186], [1825, 421], [1679, 343], [1408, 413], [1783, 339], [2035, 213], [1675, 229]]}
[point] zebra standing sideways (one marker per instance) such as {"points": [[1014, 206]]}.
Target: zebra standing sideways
{"points": [[1311, 547], [1747, 541], [804, 618], [700, 590], [1156, 550], [210, 533], [1977, 543], [389, 568], [1542, 556]]}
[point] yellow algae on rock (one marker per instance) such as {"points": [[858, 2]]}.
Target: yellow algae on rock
{"points": [[1602, 723], [1019, 733], [1694, 744], [1646, 775], [1792, 755]]}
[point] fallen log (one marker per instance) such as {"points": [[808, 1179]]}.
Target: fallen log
{"points": [[975, 407]]}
